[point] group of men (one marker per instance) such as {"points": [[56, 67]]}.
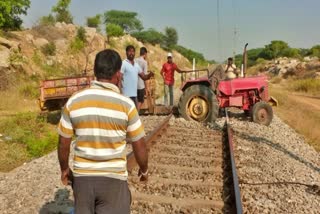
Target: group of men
{"points": [[102, 118], [135, 72]]}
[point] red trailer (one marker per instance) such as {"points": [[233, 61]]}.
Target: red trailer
{"points": [[54, 93]]}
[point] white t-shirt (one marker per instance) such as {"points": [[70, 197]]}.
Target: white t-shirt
{"points": [[144, 66], [231, 72]]}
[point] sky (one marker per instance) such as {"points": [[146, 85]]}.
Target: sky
{"points": [[215, 28]]}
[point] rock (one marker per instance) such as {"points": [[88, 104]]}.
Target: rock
{"points": [[4, 57], [61, 45], [29, 38], [9, 44], [40, 42], [90, 33]]}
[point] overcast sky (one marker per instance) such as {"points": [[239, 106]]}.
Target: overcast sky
{"points": [[256, 21]]}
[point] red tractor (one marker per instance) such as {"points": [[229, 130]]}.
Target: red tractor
{"points": [[201, 101], [203, 97]]}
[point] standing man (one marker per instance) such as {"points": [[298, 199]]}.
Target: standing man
{"points": [[101, 119], [144, 67], [167, 73], [131, 71], [231, 69]]}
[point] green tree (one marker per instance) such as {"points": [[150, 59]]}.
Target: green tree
{"points": [[291, 52], [315, 51], [94, 21], [274, 49], [305, 52], [113, 30], [62, 11], [10, 11], [171, 37], [125, 19], [150, 36]]}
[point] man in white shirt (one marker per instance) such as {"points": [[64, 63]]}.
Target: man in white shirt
{"points": [[141, 85], [231, 69]]}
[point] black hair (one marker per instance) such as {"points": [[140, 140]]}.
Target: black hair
{"points": [[106, 64], [230, 59], [129, 47], [143, 51]]}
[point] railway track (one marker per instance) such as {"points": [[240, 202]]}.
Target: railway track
{"points": [[189, 171]]}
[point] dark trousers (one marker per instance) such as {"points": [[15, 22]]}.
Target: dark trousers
{"points": [[101, 195], [134, 99]]}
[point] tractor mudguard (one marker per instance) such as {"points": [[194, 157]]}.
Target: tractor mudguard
{"points": [[273, 101]]}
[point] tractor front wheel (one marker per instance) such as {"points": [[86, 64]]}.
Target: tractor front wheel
{"points": [[198, 103], [262, 113]]}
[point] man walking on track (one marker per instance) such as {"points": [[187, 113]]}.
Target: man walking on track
{"points": [[101, 120], [144, 67], [167, 72], [131, 71]]}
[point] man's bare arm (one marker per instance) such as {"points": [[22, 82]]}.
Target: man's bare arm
{"points": [[146, 76], [140, 153], [63, 156]]}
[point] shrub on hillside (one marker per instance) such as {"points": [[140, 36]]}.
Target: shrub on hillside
{"points": [[49, 49], [150, 36], [47, 20], [113, 30], [190, 54], [79, 41]]}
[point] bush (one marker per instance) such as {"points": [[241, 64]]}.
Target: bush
{"points": [[113, 30], [190, 54], [29, 90], [49, 49], [47, 20], [81, 34], [16, 58], [76, 45], [36, 58]]}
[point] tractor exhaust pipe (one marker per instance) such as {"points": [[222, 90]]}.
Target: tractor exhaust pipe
{"points": [[244, 60]]}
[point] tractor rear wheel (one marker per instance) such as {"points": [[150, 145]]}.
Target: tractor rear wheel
{"points": [[198, 103], [262, 113]]}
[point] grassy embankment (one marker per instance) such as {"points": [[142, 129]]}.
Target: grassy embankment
{"points": [[304, 118]]}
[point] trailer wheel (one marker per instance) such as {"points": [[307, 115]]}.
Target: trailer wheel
{"points": [[262, 113], [198, 103]]}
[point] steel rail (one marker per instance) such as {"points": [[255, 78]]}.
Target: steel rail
{"points": [[151, 137], [236, 187]]}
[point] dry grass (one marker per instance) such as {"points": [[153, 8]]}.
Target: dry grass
{"points": [[12, 102], [300, 116], [306, 86], [12, 156]]}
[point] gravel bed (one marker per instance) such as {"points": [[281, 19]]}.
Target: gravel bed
{"points": [[183, 168], [208, 176], [149, 207], [179, 191], [276, 168]]}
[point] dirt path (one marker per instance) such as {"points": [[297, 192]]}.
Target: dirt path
{"points": [[313, 102]]}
